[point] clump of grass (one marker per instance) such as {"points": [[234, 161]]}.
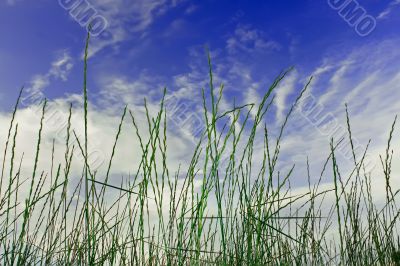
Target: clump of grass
{"points": [[256, 220]]}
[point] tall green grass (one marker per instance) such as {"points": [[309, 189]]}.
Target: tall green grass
{"points": [[221, 210]]}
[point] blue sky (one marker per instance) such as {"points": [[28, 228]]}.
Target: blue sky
{"points": [[159, 37], [152, 44]]}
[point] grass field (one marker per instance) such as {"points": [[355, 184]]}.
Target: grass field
{"points": [[228, 207]]}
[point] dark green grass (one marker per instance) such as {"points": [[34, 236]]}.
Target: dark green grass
{"points": [[255, 219]]}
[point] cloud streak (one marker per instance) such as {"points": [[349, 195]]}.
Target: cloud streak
{"points": [[388, 10]]}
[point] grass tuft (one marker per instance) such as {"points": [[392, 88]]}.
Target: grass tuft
{"points": [[230, 206]]}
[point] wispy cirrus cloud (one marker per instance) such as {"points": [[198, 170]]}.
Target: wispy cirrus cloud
{"points": [[388, 10], [284, 89], [59, 70], [370, 87], [128, 19]]}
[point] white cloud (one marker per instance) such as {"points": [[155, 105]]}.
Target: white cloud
{"points": [[366, 78], [335, 82], [248, 39], [388, 10], [284, 89], [125, 19], [370, 86], [191, 9], [128, 19], [11, 2], [384, 14], [59, 70]]}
